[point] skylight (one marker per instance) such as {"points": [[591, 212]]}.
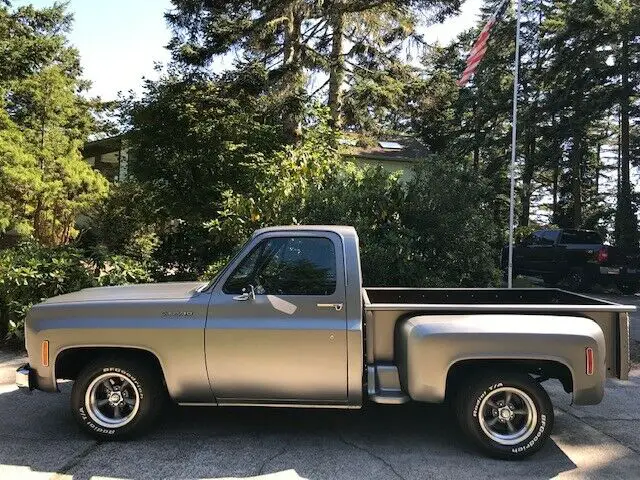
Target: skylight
{"points": [[391, 145]]}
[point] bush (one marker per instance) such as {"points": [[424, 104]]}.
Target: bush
{"points": [[31, 273], [433, 231]]}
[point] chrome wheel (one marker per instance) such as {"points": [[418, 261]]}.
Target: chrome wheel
{"points": [[507, 415], [112, 400]]}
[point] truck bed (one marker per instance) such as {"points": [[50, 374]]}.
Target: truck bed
{"points": [[384, 306]]}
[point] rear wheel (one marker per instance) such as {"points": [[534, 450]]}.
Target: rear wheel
{"points": [[117, 398], [576, 280], [506, 416]]}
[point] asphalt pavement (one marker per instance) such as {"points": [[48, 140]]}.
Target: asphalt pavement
{"points": [[39, 440]]}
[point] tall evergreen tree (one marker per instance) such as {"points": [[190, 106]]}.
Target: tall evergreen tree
{"points": [[44, 183]]}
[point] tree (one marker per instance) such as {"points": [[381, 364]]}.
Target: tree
{"points": [[203, 135], [45, 120], [627, 54], [295, 38]]}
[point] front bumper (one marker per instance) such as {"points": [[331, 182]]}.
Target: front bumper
{"points": [[25, 378]]}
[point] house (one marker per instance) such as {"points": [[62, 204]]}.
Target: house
{"points": [[392, 152], [110, 156]]}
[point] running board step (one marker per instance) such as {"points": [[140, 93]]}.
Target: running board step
{"points": [[383, 385]]}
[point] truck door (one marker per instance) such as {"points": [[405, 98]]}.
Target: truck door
{"points": [[276, 326], [534, 256], [548, 251]]}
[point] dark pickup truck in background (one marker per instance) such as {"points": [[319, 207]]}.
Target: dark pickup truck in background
{"points": [[578, 259]]}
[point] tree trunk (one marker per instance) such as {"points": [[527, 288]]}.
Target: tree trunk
{"points": [[598, 166], [38, 227], [293, 76], [626, 222], [336, 65], [476, 138], [575, 156], [556, 174], [557, 156], [527, 179]]}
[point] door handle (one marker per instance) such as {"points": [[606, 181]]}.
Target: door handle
{"points": [[336, 306]]}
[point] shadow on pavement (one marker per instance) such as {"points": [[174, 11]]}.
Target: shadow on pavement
{"points": [[410, 441]]}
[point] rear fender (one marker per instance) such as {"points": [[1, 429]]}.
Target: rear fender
{"points": [[429, 347]]}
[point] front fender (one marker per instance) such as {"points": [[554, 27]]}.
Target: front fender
{"points": [[428, 346]]}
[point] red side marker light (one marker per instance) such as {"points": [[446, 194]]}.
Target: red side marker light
{"points": [[589, 360]]}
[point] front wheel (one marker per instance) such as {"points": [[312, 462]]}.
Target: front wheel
{"points": [[507, 416], [114, 398]]}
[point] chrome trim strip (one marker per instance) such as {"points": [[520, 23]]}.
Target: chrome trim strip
{"points": [[282, 405], [468, 307]]}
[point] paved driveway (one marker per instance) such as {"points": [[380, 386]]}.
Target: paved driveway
{"points": [[38, 439]]}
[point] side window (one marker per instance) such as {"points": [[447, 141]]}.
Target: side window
{"points": [[528, 240], [550, 236], [534, 239], [287, 266]]}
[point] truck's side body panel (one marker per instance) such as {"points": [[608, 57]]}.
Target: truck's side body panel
{"points": [[428, 346], [172, 329]]}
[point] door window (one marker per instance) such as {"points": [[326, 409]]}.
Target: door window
{"points": [[549, 237], [287, 266]]}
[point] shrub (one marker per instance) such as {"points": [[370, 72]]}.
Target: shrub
{"points": [[31, 273]]}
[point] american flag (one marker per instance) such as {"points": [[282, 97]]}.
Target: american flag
{"points": [[480, 47]]}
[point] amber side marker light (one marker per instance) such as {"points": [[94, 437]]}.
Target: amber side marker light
{"points": [[588, 352], [45, 353]]}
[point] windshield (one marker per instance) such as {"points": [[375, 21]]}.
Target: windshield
{"points": [[231, 260]]}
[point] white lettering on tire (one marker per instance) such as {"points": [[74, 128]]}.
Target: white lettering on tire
{"points": [[536, 437], [484, 394], [83, 413]]}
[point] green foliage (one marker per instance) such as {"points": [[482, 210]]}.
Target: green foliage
{"points": [[31, 273], [579, 67], [119, 270], [191, 139], [433, 231], [44, 183]]}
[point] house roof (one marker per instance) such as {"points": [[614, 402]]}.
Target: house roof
{"points": [[102, 146], [399, 148]]}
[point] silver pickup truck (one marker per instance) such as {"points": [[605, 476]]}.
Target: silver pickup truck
{"points": [[287, 323]]}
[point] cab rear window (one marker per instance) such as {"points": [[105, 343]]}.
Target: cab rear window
{"points": [[574, 237]]}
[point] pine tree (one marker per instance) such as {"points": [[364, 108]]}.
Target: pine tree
{"points": [[45, 184]]}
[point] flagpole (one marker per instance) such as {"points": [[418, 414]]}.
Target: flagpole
{"points": [[513, 145]]}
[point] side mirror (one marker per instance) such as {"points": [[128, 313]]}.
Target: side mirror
{"points": [[246, 295]]}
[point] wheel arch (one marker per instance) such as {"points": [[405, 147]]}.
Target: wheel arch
{"points": [[69, 361], [543, 367]]}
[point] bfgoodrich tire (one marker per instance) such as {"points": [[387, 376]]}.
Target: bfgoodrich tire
{"points": [[507, 416], [117, 398]]}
